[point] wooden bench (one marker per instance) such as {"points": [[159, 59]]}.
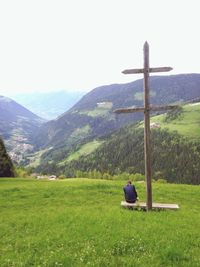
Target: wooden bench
{"points": [[143, 206]]}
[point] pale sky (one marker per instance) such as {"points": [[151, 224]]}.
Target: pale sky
{"points": [[49, 45]]}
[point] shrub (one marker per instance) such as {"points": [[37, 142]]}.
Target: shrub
{"points": [[162, 181], [61, 177], [124, 176], [21, 172], [106, 176], [139, 177], [158, 175]]}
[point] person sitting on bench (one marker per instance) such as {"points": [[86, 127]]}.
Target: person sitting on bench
{"points": [[130, 193]]}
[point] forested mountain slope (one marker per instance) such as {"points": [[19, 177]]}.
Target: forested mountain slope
{"points": [[175, 158], [185, 120], [175, 149], [92, 117]]}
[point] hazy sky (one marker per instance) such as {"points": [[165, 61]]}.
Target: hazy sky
{"points": [[48, 45]]}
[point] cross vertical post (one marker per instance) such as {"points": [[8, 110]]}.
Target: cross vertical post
{"points": [[147, 148], [146, 109]]}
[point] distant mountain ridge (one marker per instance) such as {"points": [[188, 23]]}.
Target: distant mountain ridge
{"points": [[163, 89], [48, 105], [92, 117], [7, 105]]}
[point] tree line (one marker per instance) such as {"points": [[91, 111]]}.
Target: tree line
{"points": [[174, 157]]}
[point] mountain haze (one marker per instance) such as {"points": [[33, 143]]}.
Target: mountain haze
{"points": [[48, 105]]}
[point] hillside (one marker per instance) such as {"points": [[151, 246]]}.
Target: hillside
{"points": [[186, 121], [175, 156], [79, 222], [92, 117], [17, 127]]}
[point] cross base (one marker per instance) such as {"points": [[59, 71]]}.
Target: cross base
{"points": [[143, 206]]}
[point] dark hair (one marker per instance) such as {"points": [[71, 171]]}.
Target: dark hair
{"points": [[129, 182]]}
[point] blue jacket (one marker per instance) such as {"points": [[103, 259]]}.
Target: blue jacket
{"points": [[130, 193]]}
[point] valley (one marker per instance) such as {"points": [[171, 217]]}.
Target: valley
{"points": [[89, 136], [73, 160], [48, 105]]}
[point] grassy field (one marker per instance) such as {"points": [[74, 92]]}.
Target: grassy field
{"points": [[188, 124], [97, 112], [79, 222]]}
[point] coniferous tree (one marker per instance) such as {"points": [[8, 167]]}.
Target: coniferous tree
{"points": [[6, 165]]}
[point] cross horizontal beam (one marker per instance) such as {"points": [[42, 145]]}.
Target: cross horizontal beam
{"points": [[161, 69], [142, 109]]}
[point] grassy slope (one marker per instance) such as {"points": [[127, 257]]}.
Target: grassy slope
{"points": [[188, 124], [96, 112], [78, 222], [35, 158], [85, 149]]}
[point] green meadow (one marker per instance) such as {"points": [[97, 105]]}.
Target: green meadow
{"points": [[79, 222], [188, 124], [84, 150]]}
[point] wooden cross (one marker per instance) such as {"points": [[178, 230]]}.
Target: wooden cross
{"points": [[146, 109]]}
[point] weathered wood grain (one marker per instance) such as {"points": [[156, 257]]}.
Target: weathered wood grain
{"points": [[143, 205]]}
